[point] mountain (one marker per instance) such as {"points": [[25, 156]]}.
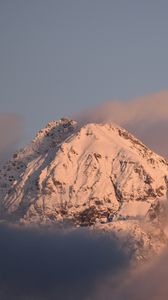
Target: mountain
{"points": [[97, 174], [145, 117]]}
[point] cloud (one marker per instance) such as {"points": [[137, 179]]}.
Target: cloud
{"points": [[146, 282], [149, 283], [48, 264], [11, 130], [41, 264], [145, 117]]}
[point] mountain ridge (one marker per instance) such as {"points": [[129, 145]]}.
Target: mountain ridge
{"points": [[96, 175], [57, 142]]}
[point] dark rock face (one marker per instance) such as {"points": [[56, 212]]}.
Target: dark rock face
{"points": [[92, 215]]}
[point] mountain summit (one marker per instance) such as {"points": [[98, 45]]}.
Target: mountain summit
{"points": [[95, 173]]}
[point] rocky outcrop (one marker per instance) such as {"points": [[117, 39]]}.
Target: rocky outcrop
{"points": [[97, 173]]}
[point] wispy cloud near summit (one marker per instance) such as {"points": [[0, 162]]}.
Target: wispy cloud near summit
{"points": [[11, 129], [146, 117]]}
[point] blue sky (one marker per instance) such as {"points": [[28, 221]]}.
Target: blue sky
{"points": [[62, 56]]}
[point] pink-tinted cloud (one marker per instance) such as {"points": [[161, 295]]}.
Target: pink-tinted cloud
{"points": [[148, 283], [145, 282], [146, 117], [11, 129]]}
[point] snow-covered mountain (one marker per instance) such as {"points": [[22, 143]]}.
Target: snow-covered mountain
{"points": [[96, 174]]}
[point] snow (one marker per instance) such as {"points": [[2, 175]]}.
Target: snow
{"points": [[97, 174], [71, 168]]}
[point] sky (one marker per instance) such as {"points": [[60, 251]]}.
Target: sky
{"points": [[58, 57]]}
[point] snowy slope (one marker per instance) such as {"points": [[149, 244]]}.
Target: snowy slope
{"points": [[96, 173]]}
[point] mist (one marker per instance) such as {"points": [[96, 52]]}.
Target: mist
{"points": [[147, 281], [11, 132], [145, 117], [40, 263], [46, 264]]}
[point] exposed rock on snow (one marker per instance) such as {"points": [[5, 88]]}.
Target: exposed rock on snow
{"points": [[95, 174]]}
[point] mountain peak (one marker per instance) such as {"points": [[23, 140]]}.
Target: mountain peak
{"points": [[84, 175], [78, 167]]}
